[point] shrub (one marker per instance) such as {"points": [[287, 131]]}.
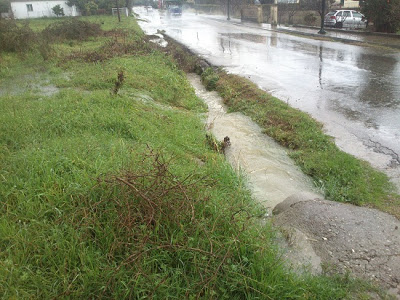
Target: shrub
{"points": [[72, 29], [58, 10], [14, 38], [310, 19]]}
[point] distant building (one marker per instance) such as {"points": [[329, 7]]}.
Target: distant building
{"points": [[340, 4], [350, 4], [288, 1], [23, 9]]}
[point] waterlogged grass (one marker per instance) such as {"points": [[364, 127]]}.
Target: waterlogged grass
{"points": [[343, 177], [117, 195]]}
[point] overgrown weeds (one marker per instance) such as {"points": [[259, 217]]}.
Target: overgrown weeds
{"points": [[166, 236], [160, 226], [20, 38]]}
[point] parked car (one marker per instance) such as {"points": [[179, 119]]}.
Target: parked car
{"points": [[175, 10], [345, 19]]}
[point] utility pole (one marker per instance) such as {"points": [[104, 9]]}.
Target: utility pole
{"points": [[322, 31], [119, 15], [229, 2]]}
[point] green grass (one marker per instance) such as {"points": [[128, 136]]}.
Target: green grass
{"points": [[118, 195]]}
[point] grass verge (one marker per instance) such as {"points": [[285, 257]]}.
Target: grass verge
{"points": [[109, 188]]}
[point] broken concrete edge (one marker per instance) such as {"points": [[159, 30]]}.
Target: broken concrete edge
{"points": [[292, 200], [361, 241], [298, 252]]}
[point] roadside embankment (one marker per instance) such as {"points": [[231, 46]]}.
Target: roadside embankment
{"points": [[109, 186]]}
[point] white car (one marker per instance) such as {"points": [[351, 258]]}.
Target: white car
{"points": [[345, 19]]}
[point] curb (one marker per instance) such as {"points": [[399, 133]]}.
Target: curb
{"points": [[331, 38], [382, 34], [344, 40]]}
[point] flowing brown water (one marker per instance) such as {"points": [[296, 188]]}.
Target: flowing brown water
{"points": [[271, 174]]}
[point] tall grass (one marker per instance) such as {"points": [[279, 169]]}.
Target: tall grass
{"points": [[118, 195]]}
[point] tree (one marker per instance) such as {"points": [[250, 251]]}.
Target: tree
{"points": [[58, 10], [90, 8], [79, 4], [129, 5], [385, 14], [289, 9]]}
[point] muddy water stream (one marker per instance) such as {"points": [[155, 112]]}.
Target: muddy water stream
{"points": [[271, 174]]}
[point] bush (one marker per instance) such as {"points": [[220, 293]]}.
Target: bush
{"points": [[14, 38], [310, 19], [72, 29], [58, 10]]}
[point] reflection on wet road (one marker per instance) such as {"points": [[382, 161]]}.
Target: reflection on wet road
{"points": [[354, 91]]}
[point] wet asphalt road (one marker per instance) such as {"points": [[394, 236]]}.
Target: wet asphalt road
{"points": [[353, 90]]}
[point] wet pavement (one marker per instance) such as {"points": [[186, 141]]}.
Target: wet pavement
{"points": [[352, 89]]}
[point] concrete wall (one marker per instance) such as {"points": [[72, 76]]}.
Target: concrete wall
{"points": [[40, 9], [252, 13], [298, 18]]}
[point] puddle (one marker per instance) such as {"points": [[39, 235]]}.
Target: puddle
{"points": [[271, 174], [28, 83], [256, 38]]}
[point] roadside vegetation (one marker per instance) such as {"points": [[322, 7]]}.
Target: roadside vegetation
{"points": [[108, 186]]}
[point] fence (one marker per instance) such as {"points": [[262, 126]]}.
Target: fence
{"points": [[122, 11]]}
